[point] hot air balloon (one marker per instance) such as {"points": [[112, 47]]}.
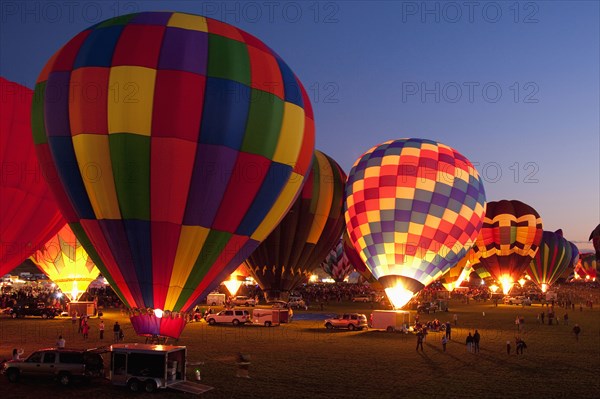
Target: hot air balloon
{"points": [[551, 260], [460, 272], [509, 239], [66, 263], [307, 233], [413, 208], [236, 279], [595, 237], [358, 264], [587, 268], [29, 215], [181, 144], [336, 264]]}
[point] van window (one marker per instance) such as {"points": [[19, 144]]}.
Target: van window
{"points": [[71, 358], [49, 357], [35, 358], [229, 313]]}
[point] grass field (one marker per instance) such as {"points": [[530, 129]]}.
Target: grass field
{"points": [[304, 360]]}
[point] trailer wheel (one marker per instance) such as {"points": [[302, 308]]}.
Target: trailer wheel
{"points": [[150, 386], [134, 385], [390, 329], [267, 324]]}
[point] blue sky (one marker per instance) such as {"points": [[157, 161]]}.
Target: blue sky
{"points": [[513, 86]]}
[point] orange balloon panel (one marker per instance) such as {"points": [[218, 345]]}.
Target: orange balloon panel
{"points": [[66, 263]]}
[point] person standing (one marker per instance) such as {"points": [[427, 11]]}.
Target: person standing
{"points": [[444, 342], [576, 331], [455, 319], [476, 338], [566, 318], [101, 329], [116, 331], [85, 329], [61, 342], [542, 316], [448, 330], [469, 342], [420, 340]]}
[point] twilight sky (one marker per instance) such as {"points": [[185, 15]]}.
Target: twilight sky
{"points": [[514, 86]]}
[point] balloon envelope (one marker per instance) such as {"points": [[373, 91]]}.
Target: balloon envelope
{"points": [[595, 237], [307, 233], [64, 260], [336, 264], [551, 260], [29, 215], [196, 142], [509, 239], [413, 209]]}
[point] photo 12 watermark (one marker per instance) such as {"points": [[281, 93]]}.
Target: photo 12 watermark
{"points": [[471, 12], [68, 12], [435, 92]]}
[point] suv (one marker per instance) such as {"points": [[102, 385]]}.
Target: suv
{"points": [[34, 309], [351, 321], [64, 364], [243, 301], [233, 316]]}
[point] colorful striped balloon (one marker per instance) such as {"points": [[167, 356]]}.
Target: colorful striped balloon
{"points": [[177, 143], [304, 237], [358, 263], [336, 264], [551, 260], [509, 240], [29, 215], [66, 263], [458, 273], [413, 209]]}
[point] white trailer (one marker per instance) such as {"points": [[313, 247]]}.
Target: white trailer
{"points": [[151, 367], [390, 320], [215, 299], [266, 317]]}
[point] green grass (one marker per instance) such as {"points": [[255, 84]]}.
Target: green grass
{"points": [[304, 360]]}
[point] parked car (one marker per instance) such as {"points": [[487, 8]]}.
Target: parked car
{"points": [[427, 307], [243, 301], [351, 321], [517, 300], [233, 316], [296, 302], [361, 298], [34, 309], [63, 364]]}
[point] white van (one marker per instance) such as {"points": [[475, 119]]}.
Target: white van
{"points": [[215, 299], [390, 320]]}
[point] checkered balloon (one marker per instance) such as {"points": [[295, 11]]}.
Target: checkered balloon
{"points": [[413, 209]]}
